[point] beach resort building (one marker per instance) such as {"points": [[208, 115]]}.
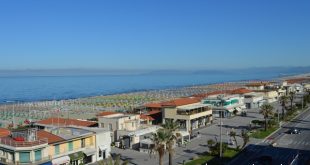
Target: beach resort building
{"points": [[74, 146], [24, 147], [269, 96], [256, 86], [189, 112], [227, 106], [126, 129], [253, 100], [61, 122]]}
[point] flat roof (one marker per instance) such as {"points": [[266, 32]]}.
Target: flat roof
{"points": [[70, 132], [192, 106]]}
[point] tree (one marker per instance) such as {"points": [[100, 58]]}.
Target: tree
{"points": [[245, 137], [160, 139], [171, 127], [283, 100], [266, 111], [233, 134], [292, 97]]}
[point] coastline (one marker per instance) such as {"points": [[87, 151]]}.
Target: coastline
{"points": [[88, 107]]}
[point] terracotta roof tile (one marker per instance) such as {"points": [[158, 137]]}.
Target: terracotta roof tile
{"points": [[297, 80], [106, 113], [240, 91], [153, 105], [153, 112], [145, 117], [41, 134], [182, 101], [63, 121]]}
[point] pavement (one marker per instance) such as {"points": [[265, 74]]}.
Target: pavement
{"points": [[197, 146], [286, 147]]}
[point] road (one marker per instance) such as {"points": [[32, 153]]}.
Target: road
{"points": [[287, 145]]}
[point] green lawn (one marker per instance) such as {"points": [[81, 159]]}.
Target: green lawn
{"points": [[261, 134], [213, 160]]}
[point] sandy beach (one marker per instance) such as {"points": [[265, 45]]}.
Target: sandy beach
{"points": [[87, 108]]}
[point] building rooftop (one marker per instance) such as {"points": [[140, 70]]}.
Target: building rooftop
{"points": [[107, 113], [70, 132], [240, 91], [153, 105], [145, 117], [41, 134], [66, 122], [181, 101], [192, 106]]}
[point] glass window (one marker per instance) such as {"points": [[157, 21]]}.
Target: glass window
{"points": [[70, 146], [38, 155], [83, 143], [57, 149], [110, 127], [24, 157]]}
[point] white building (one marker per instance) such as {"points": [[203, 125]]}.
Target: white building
{"points": [[226, 105], [253, 100]]}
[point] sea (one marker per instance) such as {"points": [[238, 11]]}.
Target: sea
{"points": [[29, 88]]}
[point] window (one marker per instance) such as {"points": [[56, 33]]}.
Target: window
{"points": [[83, 143], [110, 127], [24, 157], [70, 146], [57, 149], [38, 155], [100, 153], [102, 125]]}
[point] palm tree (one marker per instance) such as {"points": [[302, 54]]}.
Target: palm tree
{"points": [[160, 139], [291, 97], [245, 137], [171, 126], [266, 111], [233, 134], [283, 100]]}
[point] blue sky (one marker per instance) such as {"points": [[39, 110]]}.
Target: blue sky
{"points": [[154, 34]]}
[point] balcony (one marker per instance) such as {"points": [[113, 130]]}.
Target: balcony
{"points": [[8, 141], [12, 162]]}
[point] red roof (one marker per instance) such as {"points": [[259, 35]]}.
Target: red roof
{"points": [[296, 80], [181, 101], [153, 105], [41, 134], [4, 132], [63, 121], [204, 95], [153, 112], [240, 91], [145, 117], [106, 113]]}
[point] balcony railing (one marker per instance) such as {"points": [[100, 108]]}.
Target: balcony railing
{"points": [[11, 142], [12, 162]]}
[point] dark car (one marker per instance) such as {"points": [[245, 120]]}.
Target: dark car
{"points": [[293, 131]]}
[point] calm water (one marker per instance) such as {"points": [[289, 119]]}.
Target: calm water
{"points": [[29, 88]]}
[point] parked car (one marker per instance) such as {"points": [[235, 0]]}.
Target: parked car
{"points": [[294, 131]]}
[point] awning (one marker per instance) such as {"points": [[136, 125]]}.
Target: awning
{"points": [[61, 160], [103, 147], [89, 152], [183, 133], [77, 156]]}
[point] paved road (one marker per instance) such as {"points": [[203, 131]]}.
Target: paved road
{"points": [[197, 145], [287, 146]]}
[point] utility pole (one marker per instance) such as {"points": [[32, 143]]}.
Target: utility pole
{"points": [[220, 134]]}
